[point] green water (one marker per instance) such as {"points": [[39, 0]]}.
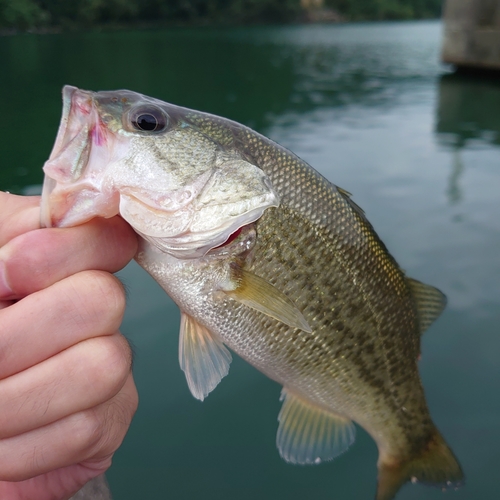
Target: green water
{"points": [[370, 107]]}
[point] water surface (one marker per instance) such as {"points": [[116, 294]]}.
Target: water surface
{"points": [[371, 108]]}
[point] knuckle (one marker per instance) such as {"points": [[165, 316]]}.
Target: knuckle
{"points": [[118, 413], [111, 364], [87, 430], [100, 431], [102, 298], [126, 402], [110, 290]]}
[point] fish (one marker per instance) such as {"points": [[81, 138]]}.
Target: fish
{"points": [[268, 259]]}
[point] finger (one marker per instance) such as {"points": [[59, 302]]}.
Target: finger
{"points": [[19, 215], [83, 306], [37, 259], [89, 437], [81, 377], [58, 484], [5, 303]]}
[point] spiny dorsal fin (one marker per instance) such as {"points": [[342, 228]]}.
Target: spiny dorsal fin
{"points": [[355, 206], [430, 303], [310, 435], [257, 293], [204, 359]]}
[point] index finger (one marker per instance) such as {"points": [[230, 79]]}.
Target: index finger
{"points": [[37, 259]]}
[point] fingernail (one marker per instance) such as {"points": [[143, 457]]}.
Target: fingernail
{"points": [[5, 289]]}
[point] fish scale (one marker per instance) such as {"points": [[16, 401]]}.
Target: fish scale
{"points": [[267, 257]]}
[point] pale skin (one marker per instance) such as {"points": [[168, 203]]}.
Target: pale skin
{"points": [[67, 395]]}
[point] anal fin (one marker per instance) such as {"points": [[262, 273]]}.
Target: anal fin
{"points": [[204, 360], [308, 434]]}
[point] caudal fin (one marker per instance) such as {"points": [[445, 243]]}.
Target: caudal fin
{"points": [[435, 465]]}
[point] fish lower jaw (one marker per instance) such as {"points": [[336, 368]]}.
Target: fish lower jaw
{"points": [[219, 243], [191, 250], [70, 208]]}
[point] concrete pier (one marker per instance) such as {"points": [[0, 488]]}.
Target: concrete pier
{"points": [[472, 33]]}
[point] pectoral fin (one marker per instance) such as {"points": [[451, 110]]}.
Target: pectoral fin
{"points": [[430, 303], [204, 359], [308, 434], [257, 293]]}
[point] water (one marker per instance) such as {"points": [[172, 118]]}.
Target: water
{"points": [[370, 107]]}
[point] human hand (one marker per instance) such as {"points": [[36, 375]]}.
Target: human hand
{"points": [[67, 395]]}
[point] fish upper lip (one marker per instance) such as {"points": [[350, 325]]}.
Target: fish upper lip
{"points": [[77, 119], [49, 183], [67, 94], [69, 97]]}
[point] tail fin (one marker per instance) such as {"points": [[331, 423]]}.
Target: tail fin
{"points": [[435, 465]]}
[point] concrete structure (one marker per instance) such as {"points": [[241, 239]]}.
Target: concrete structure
{"points": [[472, 33]]}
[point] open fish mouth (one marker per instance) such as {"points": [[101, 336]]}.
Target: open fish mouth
{"points": [[50, 183], [72, 146], [68, 196]]}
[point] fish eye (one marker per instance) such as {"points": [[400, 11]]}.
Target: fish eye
{"points": [[149, 120]]}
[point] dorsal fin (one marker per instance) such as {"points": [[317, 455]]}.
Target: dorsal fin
{"points": [[204, 360], [308, 434], [354, 206], [430, 303]]}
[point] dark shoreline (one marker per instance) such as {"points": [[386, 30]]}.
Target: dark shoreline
{"points": [[114, 27]]}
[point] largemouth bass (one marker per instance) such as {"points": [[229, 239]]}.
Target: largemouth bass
{"points": [[266, 257]]}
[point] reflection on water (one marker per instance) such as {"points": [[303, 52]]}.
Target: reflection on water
{"points": [[468, 115], [454, 190], [468, 110], [369, 107], [253, 75]]}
